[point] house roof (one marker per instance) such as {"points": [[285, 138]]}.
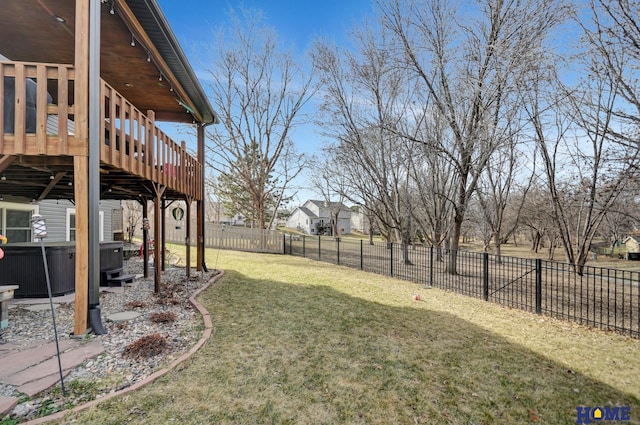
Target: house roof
{"points": [[308, 212], [137, 47], [324, 204], [635, 238]]}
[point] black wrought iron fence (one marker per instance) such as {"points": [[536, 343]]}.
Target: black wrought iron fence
{"points": [[603, 298]]}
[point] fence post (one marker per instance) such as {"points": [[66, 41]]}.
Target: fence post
{"points": [[304, 246], [290, 244], [284, 243], [485, 275], [361, 252], [319, 256], [391, 248], [338, 250], [431, 266], [538, 286]]}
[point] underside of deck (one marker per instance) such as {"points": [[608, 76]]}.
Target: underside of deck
{"points": [[38, 142]]}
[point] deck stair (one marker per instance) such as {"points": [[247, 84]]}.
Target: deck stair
{"points": [[117, 277]]}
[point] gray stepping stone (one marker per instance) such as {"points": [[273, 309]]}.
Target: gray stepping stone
{"points": [[123, 316], [40, 307]]}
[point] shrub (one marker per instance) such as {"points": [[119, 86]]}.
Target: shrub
{"points": [[147, 346], [163, 317]]}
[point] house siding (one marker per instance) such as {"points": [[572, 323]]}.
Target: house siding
{"points": [[299, 220], [55, 213], [632, 245]]}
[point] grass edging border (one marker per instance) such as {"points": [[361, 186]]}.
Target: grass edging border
{"points": [[208, 326]]}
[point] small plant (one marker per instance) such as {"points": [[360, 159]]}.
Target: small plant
{"points": [[135, 304], [147, 346], [163, 317], [48, 407], [170, 294]]}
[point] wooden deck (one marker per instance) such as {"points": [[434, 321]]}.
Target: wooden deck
{"points": [[133, 151]]}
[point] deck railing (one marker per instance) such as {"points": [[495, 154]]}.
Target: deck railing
{"points": [[36, 122]]}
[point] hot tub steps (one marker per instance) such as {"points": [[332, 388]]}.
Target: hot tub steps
{"points": [[116, 277]]}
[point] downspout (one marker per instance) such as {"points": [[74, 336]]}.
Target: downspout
{"points": [[201, 131], [95, 319]]}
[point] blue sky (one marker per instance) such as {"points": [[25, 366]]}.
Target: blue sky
{"points": [[296, 22]]}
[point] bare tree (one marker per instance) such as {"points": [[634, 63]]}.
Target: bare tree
{"points": [[330, 182], [587, 155], [259, 91], [620, 220], [469, 69], [362, 91], [132, 216], [434, 183], [496, 188], [613, 36]]}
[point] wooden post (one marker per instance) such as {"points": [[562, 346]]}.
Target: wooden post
{"points": [[187, 236], [81, 166], [81, 170], [157, 231], [163, 242], [145, 238]]}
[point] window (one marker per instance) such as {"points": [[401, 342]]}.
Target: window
{"points": [[18, 227], [71, 225], [15, 221]]}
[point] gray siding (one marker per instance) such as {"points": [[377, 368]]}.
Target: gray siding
{"points": [[55, 212]]}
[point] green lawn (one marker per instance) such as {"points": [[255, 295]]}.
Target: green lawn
{"points": [[301, 342]]}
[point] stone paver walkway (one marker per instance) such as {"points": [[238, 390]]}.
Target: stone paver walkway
{"points": [[35, 369]]}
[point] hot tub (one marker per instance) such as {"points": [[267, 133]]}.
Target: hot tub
{"points": [[22, 265]]}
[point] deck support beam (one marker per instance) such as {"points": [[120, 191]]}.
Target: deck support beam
{"points": [[200, 263], [158, 235], [81, 166], [80, 171], [187, 236]]}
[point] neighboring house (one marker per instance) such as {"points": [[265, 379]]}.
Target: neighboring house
{"points": [[632, 243], [60, 217], [315, 218], [220, 215], [359, 220]]}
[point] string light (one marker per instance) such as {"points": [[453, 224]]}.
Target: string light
{"points": [[133, 44]]}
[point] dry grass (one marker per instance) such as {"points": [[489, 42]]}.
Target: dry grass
{"points": [[300, 342], [523, 250]]}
